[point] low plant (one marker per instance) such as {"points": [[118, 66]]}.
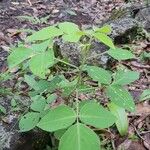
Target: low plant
{"points": [[71, 119]]}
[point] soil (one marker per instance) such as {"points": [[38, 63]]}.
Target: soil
{"points": [[84, 13]]}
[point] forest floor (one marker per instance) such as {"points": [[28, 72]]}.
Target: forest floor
{"points": [[17, 17]]}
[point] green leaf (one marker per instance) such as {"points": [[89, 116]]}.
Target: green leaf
{"points": [[31, 81], [28, 121], [99, 74], [59, 133], [71, 37], [2, 109], [40, 63], [68, 87], [38, 103], [51, 98], [13, 103], [68, 27], [104, 39], [54, 83], [79, 137], [95, 115], [58, 118], [105, 29], [123, 77], [41, 47], [18, 55], [120, 54], [71, 31], [145, 95], [120, 97], [122, 121], [44, 34]]}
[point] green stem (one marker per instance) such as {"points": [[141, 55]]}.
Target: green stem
{"points": [[77, 105], [95, 56], [64, 62]]}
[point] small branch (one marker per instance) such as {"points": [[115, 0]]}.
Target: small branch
{"points": [[64, 62], [29, 2], [95, 56], [139, 135]]}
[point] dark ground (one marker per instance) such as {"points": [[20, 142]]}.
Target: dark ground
{"points": [[83, 13]]}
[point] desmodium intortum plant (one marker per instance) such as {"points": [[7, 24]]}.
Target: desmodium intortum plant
{"points": [[77, 118]]}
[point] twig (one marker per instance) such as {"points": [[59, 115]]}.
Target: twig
{"points": [[29, 2], [139, 135]]}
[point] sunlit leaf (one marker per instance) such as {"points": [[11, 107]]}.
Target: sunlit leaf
{"points": [[120, 97], [40, 63], [18, 55], [121, 115], [71, 31], [2, 109], [44, 34], [95, 115], [28, 121], [105, 29], [79, 137], [99, 74], [145, 95], [58, 118], [104, 39], [120, 54], [123, 77], [38, 103]]}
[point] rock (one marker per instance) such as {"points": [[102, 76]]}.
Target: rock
{"points": [[143, 16], [12, 139], [124, 30], [72, 53]]}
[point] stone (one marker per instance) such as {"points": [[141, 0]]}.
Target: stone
{"points": [[71, 52], [143, 16], [12, 139]]}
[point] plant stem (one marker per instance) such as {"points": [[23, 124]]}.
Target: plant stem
{"points": [[77, 105], [64, 62], [97, 55]]}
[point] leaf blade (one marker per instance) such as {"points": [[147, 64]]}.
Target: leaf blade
{"points": [[79, 137], [120, 54], [99, 74], [40, 63], [122, 121], [123, 77], [95, 115], [58, 118], [44, 34], [18, 55], [120, 97]]}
